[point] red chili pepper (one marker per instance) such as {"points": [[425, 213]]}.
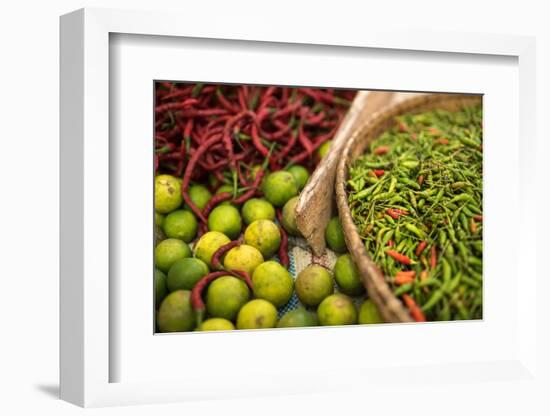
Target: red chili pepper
{"points": [[442, 141], [391, 243], [402, 127], [188, 172], [254, 187], [401, 258], [176, 106], [244, 276], [414, 309], [433, 257], [196, 294], [216, 257], [421, 179], [381, 150], [379, 172], [215, 200], [395, 213], [478, 217], [404, 277], [420, 248]]}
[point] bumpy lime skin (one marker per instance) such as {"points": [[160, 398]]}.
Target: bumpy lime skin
{"points": [[263, 235], [180, 224], [167, 193], [225, 219], [257, 209], [175, 313], [337, 309], [279, 187], [168, 251], [273, 283]]}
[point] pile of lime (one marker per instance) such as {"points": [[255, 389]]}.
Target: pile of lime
{"points": [[184, 251]]}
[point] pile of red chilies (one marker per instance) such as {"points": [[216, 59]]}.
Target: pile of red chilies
{"points": [[222, 131]]}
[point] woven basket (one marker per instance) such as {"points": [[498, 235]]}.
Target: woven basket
{"points": [[391, 309]]}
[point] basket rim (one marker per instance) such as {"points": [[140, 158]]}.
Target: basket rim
{"points": [[390, 307]]}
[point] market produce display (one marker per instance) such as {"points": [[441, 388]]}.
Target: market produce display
{"points": [[230, 162], [416, 199]]}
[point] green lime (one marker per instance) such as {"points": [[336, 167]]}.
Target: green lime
{"points": [[167, 193], [243, 257], [199, 195], [257, 313], [159, 219], [217, 324], [369, 314], [185, 273], [208, 244], [334, 235], [263, 235], [323, 149], [301, 175], [160, 286], [289, 217], [169, 251], [279, 187], [225, 219], [175, 312], [347, 277], [337, 309], [181, 224], [273, 283], [299, 317], [225, 296], [257, 209], [314, 284]]}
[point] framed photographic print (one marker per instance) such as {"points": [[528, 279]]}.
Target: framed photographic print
{"points": [[247, 216]]}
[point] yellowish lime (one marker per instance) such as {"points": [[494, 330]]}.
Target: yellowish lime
{"points": [[168, 251], [217, 324], [337, 309], [208, 244], [225, 219], [243, 257], [257, 209], [225, 296], [314, 284], [257, 313], [167, 193], [369, 313], [175, 313], [263, 235], [273, 283], [279, 187]]}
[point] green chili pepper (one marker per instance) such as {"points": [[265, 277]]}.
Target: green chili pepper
{"points": [[415, 230], [434, 299]]}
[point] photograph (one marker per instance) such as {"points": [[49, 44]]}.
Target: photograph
{"points": [[289, 206]]}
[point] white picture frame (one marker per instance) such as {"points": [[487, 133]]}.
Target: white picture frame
{"points": [[87, 302]]}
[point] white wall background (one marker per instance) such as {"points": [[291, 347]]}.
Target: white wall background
{"points": [[29, 84]]}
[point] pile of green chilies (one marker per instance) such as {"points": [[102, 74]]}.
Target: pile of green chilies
{"points": [[416, 199]]}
